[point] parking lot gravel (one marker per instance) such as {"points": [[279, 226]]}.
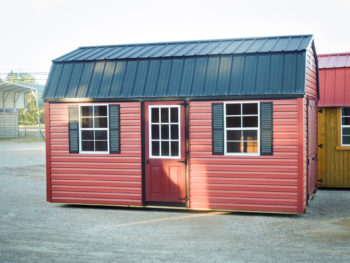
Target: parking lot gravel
{"points": [[32, 230]]}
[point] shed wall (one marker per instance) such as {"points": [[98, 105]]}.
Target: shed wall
{"points": [[311, 93], [8, 124], [262, 183], [113, 179], [334, 160], [334, 87], [310, 75]]}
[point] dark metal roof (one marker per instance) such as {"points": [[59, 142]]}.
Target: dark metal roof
{"points": [[189, 48], [341, 60], [253, 66]]}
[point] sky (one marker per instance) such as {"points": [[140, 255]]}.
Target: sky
{"points": [[34, 32]]}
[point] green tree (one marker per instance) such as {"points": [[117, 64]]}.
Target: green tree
{"points": [[20, 78], [31, 112]]}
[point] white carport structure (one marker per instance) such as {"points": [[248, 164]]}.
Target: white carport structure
{"points": [[12, 97]]}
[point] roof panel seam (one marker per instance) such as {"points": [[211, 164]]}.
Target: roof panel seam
{"points": [[181, 76], [217, 74], [90, 78], [192, 80], [230, 77], [58, 81], [170, 69], [78, 84], [68, 82], [282, 77], [146, 79]]}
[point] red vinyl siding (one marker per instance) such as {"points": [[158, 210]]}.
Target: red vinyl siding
{"points": [[311, 93], [262, 183], [311, 76], [334, 87], [113, 179]]}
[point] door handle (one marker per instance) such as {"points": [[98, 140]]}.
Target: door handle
{"points": [[147, 161], [182, 161]]}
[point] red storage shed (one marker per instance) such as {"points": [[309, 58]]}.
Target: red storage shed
{"points": [[220, 124], [334, 121]]}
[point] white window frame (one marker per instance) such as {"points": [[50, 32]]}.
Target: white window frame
{"points": [[159, 123], [343, 126], [240, 129], [92, 129]]}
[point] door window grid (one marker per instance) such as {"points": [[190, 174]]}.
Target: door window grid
{"points": [[345, 126], [94, 131], [242, 128], [164, 131]]}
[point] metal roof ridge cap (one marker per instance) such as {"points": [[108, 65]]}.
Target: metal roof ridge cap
{"points": [[197, 40], [181, 56]]}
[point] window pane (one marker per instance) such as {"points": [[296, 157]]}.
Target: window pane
{"points": [[250, 108], [164, 115], [233, 135], [346, 131], [86, 123], [250, 121], [233, 147], [250, 147], [346, 121], [155, 148], [100, 110], [174, 131], [101, 146], [155, 115], [87, 135], [101, 122], [86, 110], [165, 131], [250, 135], [346, 111], [233, 109], [165, 148], [174, 148], [100, 135], [346, 139], [233, 121], [155, 131], [174, 115], [87, 145]]}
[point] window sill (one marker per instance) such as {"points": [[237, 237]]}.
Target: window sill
{"points": [[342, 148]]}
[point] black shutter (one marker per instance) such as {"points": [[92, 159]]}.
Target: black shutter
{"points": [[217, 112], [73, 129], [266, 128], [114, 128]]}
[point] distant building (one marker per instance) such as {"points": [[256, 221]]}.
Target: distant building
{"points": [[334, 120]]}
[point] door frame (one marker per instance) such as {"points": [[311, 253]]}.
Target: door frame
{"points": [[143, 153], [308, 175]]}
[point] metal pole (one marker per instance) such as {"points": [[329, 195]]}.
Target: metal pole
{"points": [[25, 114], [36, 96]]}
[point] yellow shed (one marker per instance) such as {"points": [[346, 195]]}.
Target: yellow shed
{"points": [[334, 121]]}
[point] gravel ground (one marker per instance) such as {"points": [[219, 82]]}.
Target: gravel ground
{"points": [[32, 230]]}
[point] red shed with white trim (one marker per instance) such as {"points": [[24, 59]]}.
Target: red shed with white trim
{"points": [[220, 124]]}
